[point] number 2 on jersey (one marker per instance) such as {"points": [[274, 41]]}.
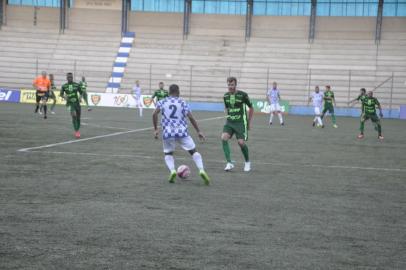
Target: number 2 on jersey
{"points": [[173, 108]]}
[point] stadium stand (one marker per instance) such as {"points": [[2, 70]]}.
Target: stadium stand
{"points": [[343, 53]]}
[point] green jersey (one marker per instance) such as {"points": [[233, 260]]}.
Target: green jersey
{"points": [[369, 105], [71, 91], [362, 98], [327, 96], [160, 94], [83, 86], [235, 104]]}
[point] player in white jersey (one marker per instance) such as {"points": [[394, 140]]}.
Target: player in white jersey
{"points": [[174, 111], [137, 96], [273, 97], [317, 98]]}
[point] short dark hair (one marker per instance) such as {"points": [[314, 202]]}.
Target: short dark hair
{"points": [[69, 74], [232, 79], [173, 89], [363, 90]]}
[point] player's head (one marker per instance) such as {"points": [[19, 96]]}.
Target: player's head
{"points": [[44, 74], [69, 77], [328, 87], [362, 91], [370, 94], [174, 90], [161, 85], [317, 89], [83, 79], [274, 85], [231, 83], [51, 77]]}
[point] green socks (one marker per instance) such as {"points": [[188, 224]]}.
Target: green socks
{"points": [[76, 123], [226, 150], [361, 127], [244, 150], [333, 117]]}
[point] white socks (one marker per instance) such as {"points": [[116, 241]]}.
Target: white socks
{"points": [[140, 108], [280, 118], [170, 162], [197, 158], [270, 119], [318, 120]]}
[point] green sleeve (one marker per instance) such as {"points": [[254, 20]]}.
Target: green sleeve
{"points": [[377, 102], [80, 90], [247, 100], [153, 95], [62, 91]]}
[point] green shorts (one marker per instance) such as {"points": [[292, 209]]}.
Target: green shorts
{"points": [[329, 108], [73, 107], [240, 130], [374, 118]]}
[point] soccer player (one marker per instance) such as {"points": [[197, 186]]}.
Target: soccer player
{"points": [[174, 111], [52, 93], [71, 91], [328, 104], [317, 98], [137, 96], [83, 87], [42, 85], [362, 95], [369, 104], [273, 96], [160, 94], [235, 102]]}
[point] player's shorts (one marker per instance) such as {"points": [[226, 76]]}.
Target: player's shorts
{"points": [[275, 107], [374, 118], [73, 107], [240, 130], [329, 108], [186, 143], [52, 95], [138, 101], [317, 110], [41, 96]]}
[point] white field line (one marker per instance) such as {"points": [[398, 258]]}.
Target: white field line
{"points": [[99, 137], [159, 157]]}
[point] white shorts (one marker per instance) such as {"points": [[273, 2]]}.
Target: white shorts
{"points": [[138, 101], [186, 143], [317, 110], [275, 107]]}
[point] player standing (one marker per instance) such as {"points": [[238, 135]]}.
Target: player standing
{"points": [[317, 98], [42, 85], [83, 87], [235, 102], [161, 93], [174, 111], [273, 96], [70, 91], [328, 105], [137, 96], [362, 95], [369, 104]]}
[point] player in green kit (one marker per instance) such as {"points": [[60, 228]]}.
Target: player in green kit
{"points": [[369, 104], [328, 105], [238, 123], [161, 93], [71, 91], [83, 87]]}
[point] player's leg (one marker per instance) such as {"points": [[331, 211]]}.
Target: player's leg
{"points": [[279, 110], [362, 126], [37, 101], [53, 96], [169, 148], [318, 118], [378, 127], [242, 136], [225, 137], [188, 144], [44, 100], [333, 117], [84, 95], [139, 105], [271, 113]]}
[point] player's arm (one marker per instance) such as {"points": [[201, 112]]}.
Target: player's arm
{"points": [[62, 92], [379, 107], [155, 122], [196, 126], [334, 100], [250, 110]]}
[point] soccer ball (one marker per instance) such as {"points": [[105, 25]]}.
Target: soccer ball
{"points": [[183, 171]]}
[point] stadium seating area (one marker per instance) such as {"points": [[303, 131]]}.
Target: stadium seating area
{"points": [[344, 53]]}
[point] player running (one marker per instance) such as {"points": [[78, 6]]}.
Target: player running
{"points": [[137, 96], [174, 111], [52, 93], [42, 85], [83, 87], [273, 95], [317, 98], [369, 104], [235, 102], [160, 94], [70, 91], [328, 105]]}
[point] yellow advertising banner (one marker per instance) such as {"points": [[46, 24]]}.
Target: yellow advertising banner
{"points": [[28, 96]]}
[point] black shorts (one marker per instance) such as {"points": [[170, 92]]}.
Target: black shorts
{"points": [[41, 96]]}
